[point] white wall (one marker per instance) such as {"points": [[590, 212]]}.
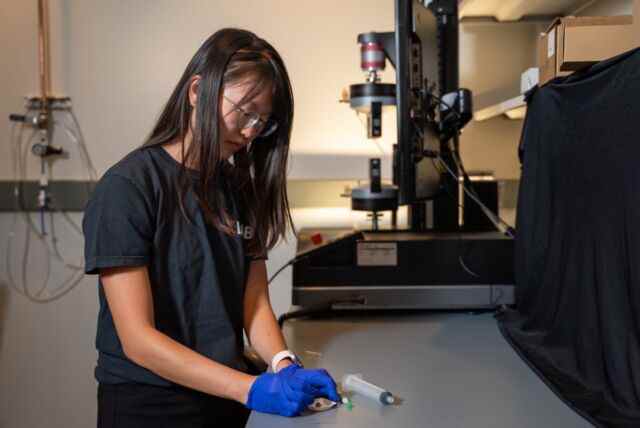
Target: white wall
{"points": [[492, 57], [119, 60], [47, 354]]}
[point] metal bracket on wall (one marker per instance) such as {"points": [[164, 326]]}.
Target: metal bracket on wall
{"points": [[67, 195]]}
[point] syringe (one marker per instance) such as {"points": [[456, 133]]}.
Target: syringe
{"points": [[355, 383]]}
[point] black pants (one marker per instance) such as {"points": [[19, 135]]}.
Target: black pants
{"points": [[130, 405]]}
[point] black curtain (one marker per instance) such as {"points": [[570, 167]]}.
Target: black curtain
{"points": [[577, 245]]}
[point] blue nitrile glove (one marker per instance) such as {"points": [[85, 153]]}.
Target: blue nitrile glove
{"points": [[272, 393], [315, 382]]}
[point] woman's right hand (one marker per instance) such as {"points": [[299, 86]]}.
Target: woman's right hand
{"points": [[289, 391]]}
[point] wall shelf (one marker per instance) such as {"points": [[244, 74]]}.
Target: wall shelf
{"points": [[513, 108], [515, 10]]}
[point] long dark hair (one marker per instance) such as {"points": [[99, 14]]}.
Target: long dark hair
{"points": [[259, 174]]}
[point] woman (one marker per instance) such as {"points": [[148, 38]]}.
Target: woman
{"points": [[178, 232]]}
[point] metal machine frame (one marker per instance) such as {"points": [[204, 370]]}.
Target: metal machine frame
{"points": [[433, 265]]}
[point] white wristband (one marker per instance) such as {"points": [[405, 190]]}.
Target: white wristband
{"points": [[281, 356]]}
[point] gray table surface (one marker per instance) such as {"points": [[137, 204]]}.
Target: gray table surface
{"points": [[448, 369]]}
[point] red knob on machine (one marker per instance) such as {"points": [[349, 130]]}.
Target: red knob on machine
{"points": [[372, 56], [316, 238]]}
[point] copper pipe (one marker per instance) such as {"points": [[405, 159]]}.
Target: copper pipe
{"points": [[43, 50]]}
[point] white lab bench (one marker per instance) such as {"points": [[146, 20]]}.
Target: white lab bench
{"points": [[449, 370]]}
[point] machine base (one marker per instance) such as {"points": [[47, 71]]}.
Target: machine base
{"points": [[404, 270], [407, 297]]}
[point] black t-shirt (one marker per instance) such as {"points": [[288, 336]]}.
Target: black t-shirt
{"points": [[197, 273]]}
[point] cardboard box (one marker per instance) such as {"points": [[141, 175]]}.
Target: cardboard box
{"points": [[636, 22], [547, 55], [574, 43]]}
